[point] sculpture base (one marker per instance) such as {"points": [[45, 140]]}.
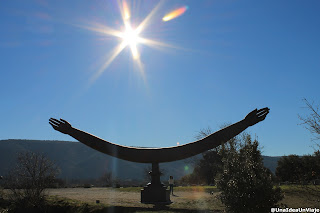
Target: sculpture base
{"points": [[155, 194]]}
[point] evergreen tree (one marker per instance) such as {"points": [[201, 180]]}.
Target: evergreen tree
{"points": [[246, 185], [299, 169]]}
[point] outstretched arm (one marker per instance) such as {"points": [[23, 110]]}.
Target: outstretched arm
{"points": [[92, 141], [167, 154], [225, 134], [251, 119]]}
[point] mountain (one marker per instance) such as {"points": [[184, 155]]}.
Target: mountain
{"points": [[271, 162], [77, 161]]}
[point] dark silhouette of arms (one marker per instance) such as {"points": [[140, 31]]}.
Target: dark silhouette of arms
{"points": [[159, 155]]}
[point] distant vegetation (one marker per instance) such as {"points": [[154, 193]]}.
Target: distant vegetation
{"points": [[80, 164], [299, 169]]}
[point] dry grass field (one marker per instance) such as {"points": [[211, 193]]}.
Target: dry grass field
{"points": [[184, 198], [198, 198], [299, 196]]}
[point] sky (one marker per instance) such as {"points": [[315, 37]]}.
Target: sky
{"points": [[214, 64]]}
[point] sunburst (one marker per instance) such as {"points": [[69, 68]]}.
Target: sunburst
{"points": [[130, 37]]}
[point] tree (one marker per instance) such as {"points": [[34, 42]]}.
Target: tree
{"points": [[210, 166], [316, 172], [106, 179], [294, 168], [1, 191], [246, 185], [289, 168], [194, 178], [204, 133], [312, 121], [33, 173], [310, 168]]}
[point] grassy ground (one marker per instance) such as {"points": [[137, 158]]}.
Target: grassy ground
{"points": [[186, 199], [300, 196], [208, 189], [195, 198]]}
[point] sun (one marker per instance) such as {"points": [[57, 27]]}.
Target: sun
{"points": [[131, 38]]}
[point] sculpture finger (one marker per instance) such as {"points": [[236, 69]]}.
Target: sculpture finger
{"points": [[262, 117], [252, 113], [54, 126], [66, 122], [263, 109], [55, 121], [266, 109], [263, 113]]}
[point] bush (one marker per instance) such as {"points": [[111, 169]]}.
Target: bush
{"points": [[246, 185], [28, 180]]}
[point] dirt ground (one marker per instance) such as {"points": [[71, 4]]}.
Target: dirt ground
{"points": [[116, 197]]}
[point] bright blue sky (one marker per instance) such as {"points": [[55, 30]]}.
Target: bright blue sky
{"points": [[234, 56]]}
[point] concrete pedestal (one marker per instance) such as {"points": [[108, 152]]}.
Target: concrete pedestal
{"points": [[155, 192]]}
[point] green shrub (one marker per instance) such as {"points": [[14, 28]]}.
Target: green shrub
{"points": [[246, 185]]}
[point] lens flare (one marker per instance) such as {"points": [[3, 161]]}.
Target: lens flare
{"points": [[174, 14], [126, 11], [129, 37]]}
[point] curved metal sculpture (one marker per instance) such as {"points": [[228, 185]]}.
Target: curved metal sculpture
{"points": [[155, 192], [160, 155]]}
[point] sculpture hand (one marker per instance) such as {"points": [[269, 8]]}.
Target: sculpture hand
{"points": [[61, 126], [256, 116]]}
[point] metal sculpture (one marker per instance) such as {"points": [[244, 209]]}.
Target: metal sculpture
{"points": [[155, 192]]}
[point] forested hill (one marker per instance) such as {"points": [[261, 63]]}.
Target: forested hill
{"points": [[78, 161]]}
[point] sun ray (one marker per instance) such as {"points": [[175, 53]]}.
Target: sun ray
{"points": [[143, 24], [115, 53], [134, 51], [153, 43], [99, 28], [141, 70]]}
